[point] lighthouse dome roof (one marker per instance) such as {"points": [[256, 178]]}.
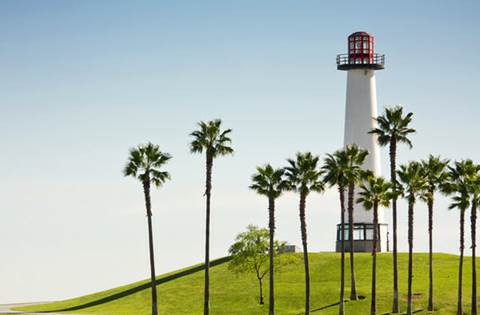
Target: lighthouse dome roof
{"points": [[359, 34]]}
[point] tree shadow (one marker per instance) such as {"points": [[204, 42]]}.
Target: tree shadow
{"points": [[324, 307], [141, 287], [418, 310], [360, 297]]}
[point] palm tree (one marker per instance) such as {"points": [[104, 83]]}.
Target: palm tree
{"points": [[304, 178], [270, 182], [335, 168], [468, 178], [435, 174], [373, 195], [145, 163], [414, 185], [458, 186], [209, 138], [475, 193], [355, 157], [393, 128]]}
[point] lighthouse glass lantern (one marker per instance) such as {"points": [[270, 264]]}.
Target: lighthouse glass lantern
{"points": [[361, 64], [360, 48], [361, 53]]}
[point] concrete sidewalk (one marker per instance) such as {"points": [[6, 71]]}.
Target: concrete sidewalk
{"points": [[7, 309]]}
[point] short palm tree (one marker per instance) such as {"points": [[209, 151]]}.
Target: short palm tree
{"points": [[393, 128], [356, 158], [304, 177], [457, 185], [145, 163], [335, 170], [414, 185], [211, 140], [434, 171], [270, 182], [376, 192]]}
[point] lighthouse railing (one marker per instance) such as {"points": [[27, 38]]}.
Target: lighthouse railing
{"points": [[346, 59]]}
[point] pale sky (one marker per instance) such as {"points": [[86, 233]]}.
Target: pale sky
{"points": [[83, 81]]}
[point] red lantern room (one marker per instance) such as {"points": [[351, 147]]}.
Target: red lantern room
{"points": [[360, 48], [361, 53]]}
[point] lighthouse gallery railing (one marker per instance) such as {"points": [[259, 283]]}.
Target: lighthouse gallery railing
{"points": [[344, 59]]}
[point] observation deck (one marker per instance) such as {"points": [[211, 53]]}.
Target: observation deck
{"points": [[349, 62]]}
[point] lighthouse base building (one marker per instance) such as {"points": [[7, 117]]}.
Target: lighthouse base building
{"points": [[361, 63], [363, 238]]}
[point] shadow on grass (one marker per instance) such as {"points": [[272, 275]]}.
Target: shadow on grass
{"points": [[324, 307], [360, 297], [415, 311], [328, 306], [139, 288]]}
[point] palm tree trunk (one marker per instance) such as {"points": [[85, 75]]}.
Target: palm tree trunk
{"points": [[353, 287], [460, 267], [148, 205], [208, 188], [410, 257], [373, 306], [303, 227], [341, 191], [393, 176], [430, 253], [473, 219], [271, 225]]}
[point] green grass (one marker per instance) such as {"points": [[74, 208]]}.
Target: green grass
{"points": [[181, 292]]}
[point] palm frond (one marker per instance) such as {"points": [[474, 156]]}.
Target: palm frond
{"points": [[145, 162], [211, 139], [393, 125], [269, 182], [303, 174]]}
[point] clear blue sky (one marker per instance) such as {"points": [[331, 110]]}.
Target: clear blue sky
{"points": [[83, 81]]}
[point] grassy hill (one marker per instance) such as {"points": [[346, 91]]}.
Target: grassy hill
{"points": [[181, 292]]}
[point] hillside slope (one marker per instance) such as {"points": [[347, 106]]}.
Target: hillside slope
{"points": [[181, 292]]}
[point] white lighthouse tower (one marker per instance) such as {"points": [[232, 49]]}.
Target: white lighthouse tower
{"points": [[361, 62]]}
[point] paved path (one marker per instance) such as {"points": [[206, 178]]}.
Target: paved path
{"points": [[7, 309]]}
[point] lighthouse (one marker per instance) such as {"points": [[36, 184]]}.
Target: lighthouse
{"points": [[361, 63]]}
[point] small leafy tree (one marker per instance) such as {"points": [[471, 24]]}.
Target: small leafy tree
{"points": [[250, 253]]}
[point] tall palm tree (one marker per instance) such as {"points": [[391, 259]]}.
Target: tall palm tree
{"points": [[458, 186], [434, 171], [304, 177], [356, 158], [468, 177], [414, 185], [209, 138], [335, 169], [393, 128], [145, 163], [270, 182], [375, 193]]}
